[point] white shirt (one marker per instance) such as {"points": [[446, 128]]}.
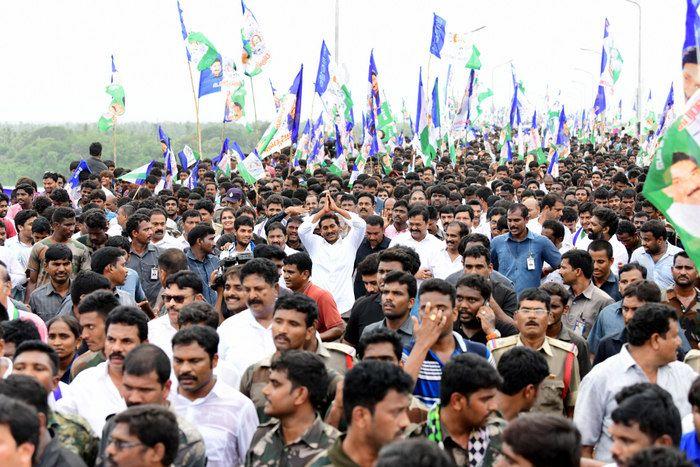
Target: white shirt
{"points": [[114, 228], [225, 418], [442, 265], [21, 250], [659, 271], [334, 263], [8, 370], [168, 241], [160, 333], [620, 255], [93, 396], [243, 341], [426, 248], [534, 226], [9, 257]]}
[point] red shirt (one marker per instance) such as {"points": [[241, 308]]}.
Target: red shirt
{"points": [[328, 315], [9, 228]]}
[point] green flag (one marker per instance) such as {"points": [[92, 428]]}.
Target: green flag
{"points": [[203, 51], [115, 109], [474, 61], [673, 181]]}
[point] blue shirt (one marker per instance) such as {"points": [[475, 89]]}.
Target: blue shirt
{"points": [[608, 322], [132, 286], [510, 257], [691, 447], [427, 388], [204, 269]]}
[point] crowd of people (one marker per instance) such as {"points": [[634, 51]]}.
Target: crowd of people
{"points": [[469, 313]]}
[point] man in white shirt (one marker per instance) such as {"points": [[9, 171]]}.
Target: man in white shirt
{"points": [[333, 257], [448, 260], [181, 288], [117, 225], [22, 243], [550, 209], [225, 418], [603, 226], [656, 254], [95, 392], [161, 238], [418, 238], [246, 337]]}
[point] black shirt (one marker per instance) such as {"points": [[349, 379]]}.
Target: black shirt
{"points": [[363, 251], [55, 455], [609, 346], [365, 311]]}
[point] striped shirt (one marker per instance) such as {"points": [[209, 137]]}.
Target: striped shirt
{"points": [[427, 388]]}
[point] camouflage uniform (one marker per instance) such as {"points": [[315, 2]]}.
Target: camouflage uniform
{"points": [[268, 448], [87, 360], [337, 360], [74, 433], [334, 455], [490, 434], [556, 352], [190, 451]]}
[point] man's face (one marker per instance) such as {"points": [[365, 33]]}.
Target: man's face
{"points": [[468, 303], [205, 215], [442, 303], [691, 79], [182, 204], [630, 241], [399, 215], [418, 227], [192, 366], [385, 267], [293, 232], [293, 278], [3, 208], [59, 270], [374, 235], [365, 207], [477, 265], [581, 195], [596, 180], [65, 229], [93, 333], [145, 389], [585, 218], [684, 272], [10, 453], [158, 223], [207, 243], [170, 208], [557, 308], [438, 199], [289, 330], [273, 209], [280, 394], [396, 302], [452, 237], [131, 451], [554, 212], [144, 233], [668, 345], [261, 295], [389, 420], [175, 298], [189, 223], [210, 191], [478, 406], [97, 235], [629, 307], [234, 294], [49, 185], [464, 218], [121, 339], [651, 244], [244, 234], [516, 223], [23, 198], [567, 272], [311, 202], [595, 228], [627, 205], [601, 264], [330, 230], [277, 237], [37, 365], [532, 318], [627, 441], [381, 351]]}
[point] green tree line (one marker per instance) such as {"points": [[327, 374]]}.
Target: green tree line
{"points": [[29, 150]]}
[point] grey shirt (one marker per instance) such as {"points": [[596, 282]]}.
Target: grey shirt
{"points": [[46, 302], [146, 266], [584, 309], [405, 331]]}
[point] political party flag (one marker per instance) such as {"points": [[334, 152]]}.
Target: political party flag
{"points": [[210, 78], [138, 175], [303, 144], [672, 184], [255, 54], [668, 108], [275, 97], [692, 26], [249, 168], [284, 129], [373, 99], [427, 150], [74, 180], [474, 62], [184, 30], [562, 140], [435, 116], [202, 51], [535, 143], [188, 157], [323, 74], [222, 162], [114, 70], [553, 168], [438, 37], [461, 119], [193, 178], [234, 107], [615, 64], [336, 167], [117, 103], [599, 105], [481, 97], [169, 160], [317, 149]]}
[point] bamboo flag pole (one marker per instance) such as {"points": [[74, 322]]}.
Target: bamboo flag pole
{"points": [[196, 110], [223, 126], [114, 140], [252, 93]]}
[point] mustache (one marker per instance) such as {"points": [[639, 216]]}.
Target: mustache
{"points": [[116, 355], [532, 322], [187, 376]]}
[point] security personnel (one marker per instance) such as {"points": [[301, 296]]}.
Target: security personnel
{"points": [[558, 391], [294, 326]]}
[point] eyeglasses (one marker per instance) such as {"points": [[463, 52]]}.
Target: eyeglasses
{"points": [[179, 299], [536, 311], [121, 444]]}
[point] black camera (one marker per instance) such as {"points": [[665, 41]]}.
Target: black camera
{"points": [[239, 258]]}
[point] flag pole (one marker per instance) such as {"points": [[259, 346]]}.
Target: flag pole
{"points": [[223, 125], [114, 140], [252, 93], [196, 110]]}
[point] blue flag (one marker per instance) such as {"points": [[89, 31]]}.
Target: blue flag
{"points": [[74, 180], [210, 78], [193, 179], [294, 116], [114, 70], [561, 135], [323, 75], [224, 150], [438, 37], [599, 105], [435, 112], [184, 30], [553, 168], [664, 113], [692, 25], [375, 101]]}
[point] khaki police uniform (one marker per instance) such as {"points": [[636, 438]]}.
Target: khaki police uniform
{"points": [[560, 356]]}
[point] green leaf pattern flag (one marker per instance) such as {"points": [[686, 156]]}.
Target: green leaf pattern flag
{"points": [[474, 62], [255, 53], [115, 109], [673, 181], [203, 52]]}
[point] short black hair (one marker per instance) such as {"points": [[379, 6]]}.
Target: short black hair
{"points": [[659, 456], [694, 393], [101, 302], [204, 336], [299, 303], [608, 218], [146, 358], [369, 265], [27, 389], [653, 410], [601, 245], [129, 316], [270, 252], [555, 289], [403, 278], [368, 383], [477, 251], [95, 149], [23, 216], [634, 266], [22, 420], [535, 294], [58, 252], [414, 452], [644, 291], [198, 232], [649, 319], [380, 335], [580, 259], [304, 369], [439, 286], [17, 331], [656, 227], [465, 374], [152, 425], [105, 256], [519, 367], [185, 279], [409, 259], [301, 260], [133, 222], [544, 440], [477, 282], [262, 267], [199, 312], [172, 260], [36, 345]]}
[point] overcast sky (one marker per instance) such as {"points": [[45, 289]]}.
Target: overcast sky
{"points": [[56, 53]]}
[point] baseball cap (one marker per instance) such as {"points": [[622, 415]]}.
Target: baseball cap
{"points": [[233, 194]]}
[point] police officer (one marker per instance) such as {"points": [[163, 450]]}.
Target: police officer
{"points": [[558, 391], [294, 325]]}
